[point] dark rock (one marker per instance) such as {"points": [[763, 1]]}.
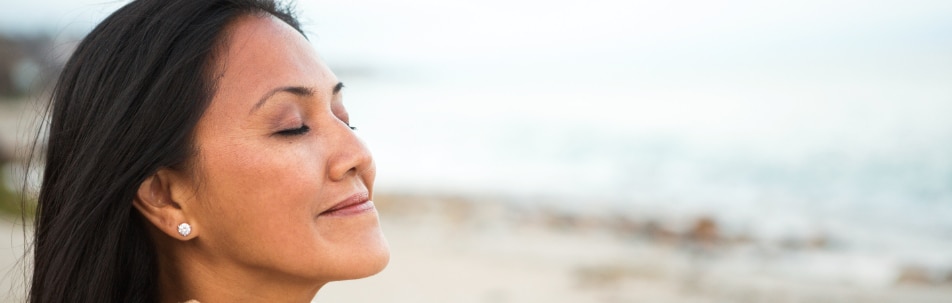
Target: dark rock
{"points": [[914, 275], [705, 230]]}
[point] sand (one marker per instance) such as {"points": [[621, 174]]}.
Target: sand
{"points": [[452, 249]]}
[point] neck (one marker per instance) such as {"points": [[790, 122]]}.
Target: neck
{"points": [[186, 275]]}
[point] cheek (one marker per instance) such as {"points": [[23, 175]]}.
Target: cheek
{"points": [[264, 188]]}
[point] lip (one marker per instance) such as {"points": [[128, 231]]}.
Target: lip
{"points": [[355, 204]]}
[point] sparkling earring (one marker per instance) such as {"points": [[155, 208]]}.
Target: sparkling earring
{"points": [[184, 229]]}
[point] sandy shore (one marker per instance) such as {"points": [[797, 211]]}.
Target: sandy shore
{"points": [[455, 249]]}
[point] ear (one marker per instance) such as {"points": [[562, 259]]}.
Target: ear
{"points": [[155, 202]]}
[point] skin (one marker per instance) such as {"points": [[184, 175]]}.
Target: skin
{"points": [[257, 193]]}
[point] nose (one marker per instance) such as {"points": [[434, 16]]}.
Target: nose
{"points": [[349, 157]]}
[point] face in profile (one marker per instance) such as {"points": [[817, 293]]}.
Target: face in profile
{"points": [[281, 186]]}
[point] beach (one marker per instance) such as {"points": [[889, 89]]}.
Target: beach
{"points": [[449, 248]]}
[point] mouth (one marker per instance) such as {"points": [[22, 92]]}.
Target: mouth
{"points": [[356, 204]]}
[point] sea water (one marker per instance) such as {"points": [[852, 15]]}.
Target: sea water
{"points": [[866, 160]]}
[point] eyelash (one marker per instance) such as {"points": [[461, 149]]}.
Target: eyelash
{"points": [[295, 131], [303, 130]]}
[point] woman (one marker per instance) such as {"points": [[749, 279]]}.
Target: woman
{"points": [[200, 150]]}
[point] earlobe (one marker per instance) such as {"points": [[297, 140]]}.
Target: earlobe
{"points": [[154, 201]]}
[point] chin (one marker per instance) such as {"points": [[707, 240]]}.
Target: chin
{"points": [[374, 258], [366, 255]]}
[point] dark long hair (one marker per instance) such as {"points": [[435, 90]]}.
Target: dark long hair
{"points": [[124, 106]]}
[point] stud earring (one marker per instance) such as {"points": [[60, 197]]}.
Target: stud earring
{"points": [[184, 229]]}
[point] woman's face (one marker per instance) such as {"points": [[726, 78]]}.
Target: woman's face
{"points": [[282, 182]]}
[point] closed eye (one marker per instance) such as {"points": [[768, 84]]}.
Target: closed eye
{"points": [[294, 131]]}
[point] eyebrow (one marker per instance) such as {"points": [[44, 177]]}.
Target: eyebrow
{"points": [[300, 91]]}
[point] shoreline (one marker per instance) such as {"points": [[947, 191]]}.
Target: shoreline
{"points": [[509, 252], [700, 231]]}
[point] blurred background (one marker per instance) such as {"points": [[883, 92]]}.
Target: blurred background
{"points": [[614, 151]]}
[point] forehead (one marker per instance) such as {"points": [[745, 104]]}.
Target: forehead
{"points": [[263, 52]]}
